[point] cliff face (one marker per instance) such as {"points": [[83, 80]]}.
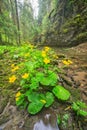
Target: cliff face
{"points": [[68, 23]]}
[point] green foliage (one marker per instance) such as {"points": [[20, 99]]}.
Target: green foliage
{"points": [[36, 77], [2, 49], [39, 100], [8, 30], [50, 79], [66, 117], [61, 93], [34, 108], [59, 120], [65, 30], [81, 36], [45, 24], [63, 120], [78, 107], [49, 99]]}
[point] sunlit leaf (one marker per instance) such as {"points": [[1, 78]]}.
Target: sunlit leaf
{"points": [[49, 99], [61, 93], [75, 107], [34, 83], [81, 104], [39, 76], [35, 107], [50, 79], [82, 113]]}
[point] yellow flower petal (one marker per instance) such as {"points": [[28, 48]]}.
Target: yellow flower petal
{"points": [[67, 62], [25, 76], [12, 79], [18, 94], [47, 48], [43, 54], [15, 68], [12, 65], [17, 98], [46, 61]]}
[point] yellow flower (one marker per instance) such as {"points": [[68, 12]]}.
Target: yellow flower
{"points": [[12, 65], [46, 61], [15, 68], [43, 54], [47, 48], [43, 101], [70, 62], [12, 79], [67, 62], [17, 96], [25, 76]]}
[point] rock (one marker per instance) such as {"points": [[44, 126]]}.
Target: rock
{"points": [[79, 79], [67, 80]]}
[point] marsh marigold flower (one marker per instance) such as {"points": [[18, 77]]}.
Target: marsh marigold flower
{"points": [[18, 94], [70, 62], [12, 65], [43, 54], [67, 62], [15, 68], [47, 48], [12, 79], [25, 76], [46, 61]]}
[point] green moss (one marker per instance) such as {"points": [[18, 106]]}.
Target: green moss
{"points": [[65, 30], [81, 36]]}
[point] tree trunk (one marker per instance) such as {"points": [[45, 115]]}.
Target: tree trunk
{"points": [[18, 25]]}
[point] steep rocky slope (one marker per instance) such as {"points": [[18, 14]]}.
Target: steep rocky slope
{"points": [[68, 24]]}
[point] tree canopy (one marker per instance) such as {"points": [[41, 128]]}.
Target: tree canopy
{"points": [[18, 23]]}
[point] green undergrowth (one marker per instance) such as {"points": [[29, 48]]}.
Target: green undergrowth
{"points": [[35, 75]]}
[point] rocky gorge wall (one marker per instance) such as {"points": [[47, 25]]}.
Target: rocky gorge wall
{"points": [[68, 24]]}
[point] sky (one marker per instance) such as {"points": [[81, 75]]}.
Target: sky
{"points": [[35, 7], [34, 4]]}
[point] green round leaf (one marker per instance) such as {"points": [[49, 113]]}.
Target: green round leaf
{"points": [[45, 81], [75, 107], [33, 97], [82, 113], [61, 93], [49, 99], [34, 107], [51, 79]]}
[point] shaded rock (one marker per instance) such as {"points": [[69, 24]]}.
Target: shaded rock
{"points": [[79, 79], [67, 80]]}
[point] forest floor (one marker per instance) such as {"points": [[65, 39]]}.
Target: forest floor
{"points": [[75, 76]]}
